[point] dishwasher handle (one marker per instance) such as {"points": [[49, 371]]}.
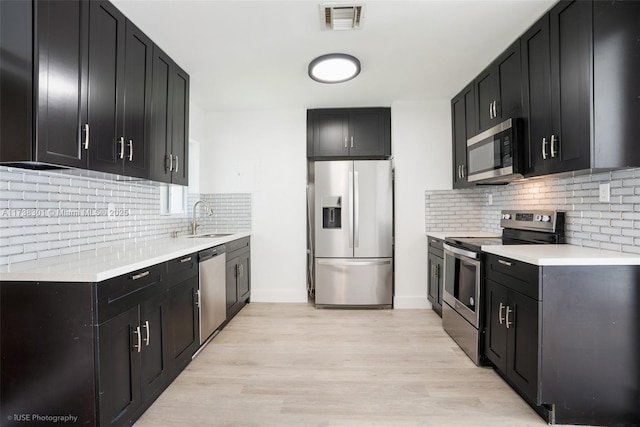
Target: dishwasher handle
{"points": [[211, 252]]}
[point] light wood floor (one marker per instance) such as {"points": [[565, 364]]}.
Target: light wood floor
{"points": [[294, 365]]}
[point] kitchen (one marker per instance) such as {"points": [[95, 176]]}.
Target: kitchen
{"points": [[241, 152]]}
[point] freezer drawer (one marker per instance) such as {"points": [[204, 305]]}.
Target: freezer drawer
{"points": [[354, 282]]}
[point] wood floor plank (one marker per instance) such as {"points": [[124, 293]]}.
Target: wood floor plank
{"points": [[294, 365]]}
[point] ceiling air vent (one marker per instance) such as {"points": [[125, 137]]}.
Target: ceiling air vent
{"points": [[337, 17]]}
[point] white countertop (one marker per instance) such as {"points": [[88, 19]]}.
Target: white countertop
{"points": [[463, 233], [105, 263], [562, 255]]}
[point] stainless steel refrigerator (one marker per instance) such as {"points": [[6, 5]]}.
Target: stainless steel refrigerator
{"points": [[353, 233]]}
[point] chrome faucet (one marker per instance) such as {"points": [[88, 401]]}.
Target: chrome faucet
{"points": [[194, 224]]}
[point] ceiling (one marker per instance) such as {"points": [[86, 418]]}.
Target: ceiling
{"points": [[247, 55]]}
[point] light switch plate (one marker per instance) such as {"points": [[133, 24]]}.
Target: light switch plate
{"points": [[605, 192]]}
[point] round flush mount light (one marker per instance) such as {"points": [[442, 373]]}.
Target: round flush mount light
{"points": [[334, 68]]}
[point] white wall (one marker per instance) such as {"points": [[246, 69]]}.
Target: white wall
{"points": [[421, 140], [264, 153]]}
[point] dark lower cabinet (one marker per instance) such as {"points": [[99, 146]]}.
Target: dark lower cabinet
{"points": [[119, 350], [183, 336], [238, 267], [436, 271], [511, 342], [154, 363], [565, 338]]}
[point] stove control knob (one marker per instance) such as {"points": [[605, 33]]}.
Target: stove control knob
{"points": [[538, 218], [506, 216], [546, 218]]}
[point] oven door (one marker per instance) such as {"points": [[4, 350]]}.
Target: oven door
{"points": [[462, 283]]}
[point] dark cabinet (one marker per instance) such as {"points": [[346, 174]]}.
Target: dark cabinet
{"points": [[498, 90], [511, 342], [154, 363], [119, 93], [43, 45], [238, 272], [463, 125], [363, 133], [169, 121], [436, 272], [183, 336], [557, 69]]}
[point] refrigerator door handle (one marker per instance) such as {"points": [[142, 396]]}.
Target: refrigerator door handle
{"points": [[350, 231], [356, 210], [354, 262]]}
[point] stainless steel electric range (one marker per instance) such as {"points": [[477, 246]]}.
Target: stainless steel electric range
{"points": [[463, 305]]}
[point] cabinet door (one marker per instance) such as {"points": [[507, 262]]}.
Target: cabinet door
{"points": [[154, 329], [180, 125], [61, 45], [244, 279], [536, 94], [486, 89], [369, 135], [522, 350], [161, 117], [571, 67], [106, 88], [119, 367], [463, 127], [495, 329], [137, 102], [184, 327], [330, 133], [232, 285], [509, 85]]}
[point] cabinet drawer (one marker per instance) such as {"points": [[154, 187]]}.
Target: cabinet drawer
{"points": [[516, 275], [435, 246], [237, 245], [183, 268], [120, 293]]}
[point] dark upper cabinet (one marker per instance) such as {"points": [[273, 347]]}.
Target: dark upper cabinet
{"points": [[616, 67], [463, 125], [119, 93], [169, 121], [557, 90], [498, 90], [362, 133], [43, 71], [77, 83]]}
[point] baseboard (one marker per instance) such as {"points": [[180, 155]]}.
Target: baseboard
{"points": [[278, 296], [401, 302]]}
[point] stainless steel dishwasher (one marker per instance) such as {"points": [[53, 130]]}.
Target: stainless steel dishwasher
{"points": [[212, 294]]}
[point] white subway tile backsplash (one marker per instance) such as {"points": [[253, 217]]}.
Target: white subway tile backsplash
{"points": [[45, 213], [612, 225]]}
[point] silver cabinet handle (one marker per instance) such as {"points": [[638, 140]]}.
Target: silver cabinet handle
{"points": [[138, 346], [463, 168], [459, 173], [130, 150], [121, 142], [351, 141], [198, 298], [177, 163], [553, 146], [491, 110], [503, 262], [500, 317], [495, 109], [544, 148], [187, 259], [148, 332], [506, 319], [86, 136], [170, 163], [140, 276], [345, 142]]}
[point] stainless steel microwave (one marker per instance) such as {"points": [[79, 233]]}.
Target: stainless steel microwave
{"points": [[494, 156]]}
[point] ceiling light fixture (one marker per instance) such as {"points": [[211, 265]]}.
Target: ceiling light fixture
{"points": [[334, 68]]}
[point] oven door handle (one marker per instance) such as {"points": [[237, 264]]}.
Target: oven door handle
{"points": [[462, 252]]}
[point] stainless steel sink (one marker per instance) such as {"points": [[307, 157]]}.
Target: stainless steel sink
{"points": [[210, 235]]}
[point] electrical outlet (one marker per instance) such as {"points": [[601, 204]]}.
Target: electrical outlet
{"points": [[605, 192]]}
